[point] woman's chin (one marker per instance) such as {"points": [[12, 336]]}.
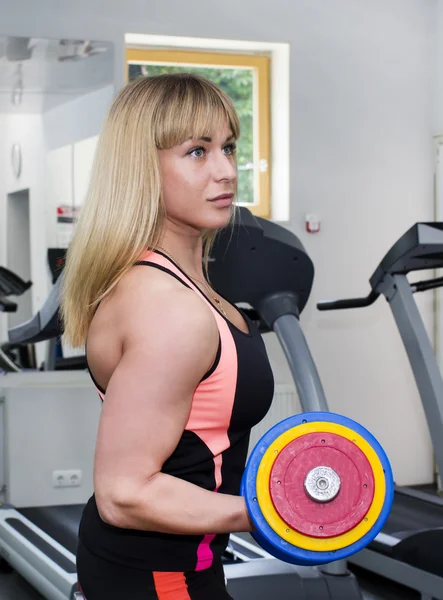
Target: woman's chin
{"points": [[220, 217], [215, 218], [220, 222]]}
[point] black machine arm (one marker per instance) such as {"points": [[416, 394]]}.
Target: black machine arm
{"points": [[428, 284], [11, 285], [7, 305], [418, 286], [349, 303], [420, 248]]}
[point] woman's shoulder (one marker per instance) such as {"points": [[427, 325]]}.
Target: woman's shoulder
{"points": [[148, 285], [148, 298], [148, 315]]}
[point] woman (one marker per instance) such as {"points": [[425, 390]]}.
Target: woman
{"points": [[183, 374]]}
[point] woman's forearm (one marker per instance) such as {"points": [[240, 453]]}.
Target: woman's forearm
{"points": [[170, 505]]}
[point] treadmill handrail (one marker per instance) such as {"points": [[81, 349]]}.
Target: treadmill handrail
{"points": [[427, 284], [349, 303]]}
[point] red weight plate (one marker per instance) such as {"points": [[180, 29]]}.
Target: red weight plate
{"points": [[302, 513]]}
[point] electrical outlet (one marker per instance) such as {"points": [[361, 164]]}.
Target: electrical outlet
{"points": [[69, 478]]}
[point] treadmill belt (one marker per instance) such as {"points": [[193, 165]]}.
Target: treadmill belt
{"points": [[59, 522], [419, 527], [409, 514], [38, 542], [422, 550]]}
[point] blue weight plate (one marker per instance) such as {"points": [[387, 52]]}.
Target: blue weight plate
{"points": [[265, 536]]}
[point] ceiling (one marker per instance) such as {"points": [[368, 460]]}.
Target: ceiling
{"points": [[39, 74]]}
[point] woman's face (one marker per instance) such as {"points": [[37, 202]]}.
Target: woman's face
{"points": [[199, 180]]}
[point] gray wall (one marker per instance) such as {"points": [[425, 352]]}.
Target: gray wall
{"points": [[76, 120], [362, 119]]}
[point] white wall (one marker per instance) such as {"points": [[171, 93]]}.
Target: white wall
{"points": [[437, 97], [361, 157]]}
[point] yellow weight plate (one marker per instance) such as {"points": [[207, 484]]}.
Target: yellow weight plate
{"points": [[276, 522]]}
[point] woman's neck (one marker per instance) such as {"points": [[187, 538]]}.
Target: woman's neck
{"points": [[186, 252]]}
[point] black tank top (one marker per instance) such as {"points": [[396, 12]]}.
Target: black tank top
{"points": [[232, 397]]}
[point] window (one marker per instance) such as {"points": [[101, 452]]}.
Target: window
{"points": [[245, 78]]}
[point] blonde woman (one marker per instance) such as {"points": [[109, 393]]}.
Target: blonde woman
{"points": [[183, 374]]}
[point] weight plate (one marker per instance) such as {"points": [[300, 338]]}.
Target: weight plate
{"points": [[264, 533], [339, 480]]}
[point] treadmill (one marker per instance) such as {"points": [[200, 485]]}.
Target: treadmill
{"points": [[40, 543], [409, 549], [10, 285]]}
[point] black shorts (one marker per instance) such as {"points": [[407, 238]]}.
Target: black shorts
{"points": [[103, 580]]}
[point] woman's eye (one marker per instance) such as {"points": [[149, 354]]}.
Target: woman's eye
{"points": [[230, 149], [197, 152]]}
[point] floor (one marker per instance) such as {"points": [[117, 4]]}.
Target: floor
{"points": [[13, 587]]}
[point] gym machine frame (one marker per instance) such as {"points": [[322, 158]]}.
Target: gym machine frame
{"points": [[420, 248]]}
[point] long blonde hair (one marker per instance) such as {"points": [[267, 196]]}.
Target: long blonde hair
{"points": [[123, 213]]}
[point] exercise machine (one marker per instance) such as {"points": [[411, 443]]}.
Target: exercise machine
{"points": [[408, 550]]}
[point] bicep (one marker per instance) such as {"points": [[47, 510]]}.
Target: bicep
{"points": [[149, 398]]}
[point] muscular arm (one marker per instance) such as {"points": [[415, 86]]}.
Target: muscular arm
{"points": [[170, 341]]}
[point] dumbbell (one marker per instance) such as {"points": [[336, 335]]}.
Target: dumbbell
{"points": [[318, 487]]}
